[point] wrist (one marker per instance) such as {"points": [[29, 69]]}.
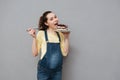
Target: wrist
{"points": [[34, 37]]}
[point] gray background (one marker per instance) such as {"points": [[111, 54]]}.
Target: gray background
{"points": [[94, 40]]}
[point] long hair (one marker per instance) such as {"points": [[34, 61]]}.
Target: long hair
{"points": [[42, 20]]}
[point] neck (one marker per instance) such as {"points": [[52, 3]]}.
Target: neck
{"points": [[50, 30]]}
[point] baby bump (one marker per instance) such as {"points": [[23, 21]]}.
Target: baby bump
{"points": [[54, 61]]}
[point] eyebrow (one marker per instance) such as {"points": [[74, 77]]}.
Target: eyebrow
{"points": [[53, 16]]}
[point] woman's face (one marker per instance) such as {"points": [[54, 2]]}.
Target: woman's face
{"points": [[52, 21]]}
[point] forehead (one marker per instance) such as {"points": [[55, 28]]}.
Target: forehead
{"points": [[50, 15]]}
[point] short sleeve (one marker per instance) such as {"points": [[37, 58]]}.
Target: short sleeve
{"points": [[39, 40], [62, 44]]}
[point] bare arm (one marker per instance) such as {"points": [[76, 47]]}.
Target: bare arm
{"points": [[66, 42], [34, 47], [32, 32]]}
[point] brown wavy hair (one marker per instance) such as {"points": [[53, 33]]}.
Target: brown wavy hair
{"points": [[42, 20]]}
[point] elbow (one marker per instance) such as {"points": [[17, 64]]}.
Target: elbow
{"points": [[35, 54], [65, 53], [66, 50]]}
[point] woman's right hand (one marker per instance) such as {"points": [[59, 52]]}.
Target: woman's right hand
{"points": [[32, 32]]}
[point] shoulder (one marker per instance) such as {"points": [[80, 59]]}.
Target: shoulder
{"points": [[40, 33], [61, 35]]}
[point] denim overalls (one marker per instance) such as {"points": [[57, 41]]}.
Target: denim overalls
{"points": [[50, 67]]}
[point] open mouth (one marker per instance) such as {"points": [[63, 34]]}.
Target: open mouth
{"points": [[56, 24], [62, 26]]}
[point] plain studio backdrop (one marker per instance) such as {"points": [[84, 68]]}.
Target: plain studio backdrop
{"points": [[94, 39]]}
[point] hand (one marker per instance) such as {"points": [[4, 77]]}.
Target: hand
{"points": [[32, 32], [66, 34]]}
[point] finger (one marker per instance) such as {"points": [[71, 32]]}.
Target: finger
{"points": [[29, 29]]}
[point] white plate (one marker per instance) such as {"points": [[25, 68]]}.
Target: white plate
{"points": [[63, 31]]}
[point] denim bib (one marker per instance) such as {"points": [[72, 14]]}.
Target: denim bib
{"points": [[53, 58]]}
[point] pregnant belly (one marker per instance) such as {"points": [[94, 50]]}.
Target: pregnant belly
{"points": [[54, 61]]}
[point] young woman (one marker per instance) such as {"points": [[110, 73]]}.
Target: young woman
{"points": [[52, 45]]}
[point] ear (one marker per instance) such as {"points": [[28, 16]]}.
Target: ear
{"points": [[46, 23]]}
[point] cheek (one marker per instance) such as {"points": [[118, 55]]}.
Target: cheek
{"points": [[51, 23], [48, 23]]}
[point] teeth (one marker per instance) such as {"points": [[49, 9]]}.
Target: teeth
{"points": [[62, 25], [56, 24]]}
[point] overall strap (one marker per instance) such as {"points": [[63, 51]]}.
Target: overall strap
{"points": [[58, 36], [46, 37]]}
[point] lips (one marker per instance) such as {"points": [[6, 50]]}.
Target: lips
{"points": [[56, 24], [62, 26]]}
